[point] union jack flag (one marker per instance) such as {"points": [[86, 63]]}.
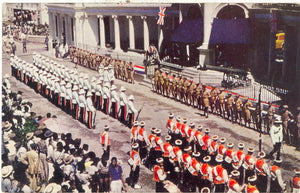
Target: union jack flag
{"points": [[161, 16]]}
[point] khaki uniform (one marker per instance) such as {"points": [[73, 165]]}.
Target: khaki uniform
{"points": [[191, 95], [130, 70], [229, 107], [156, 78], [199, 96], [174, 87], [186, 85], [161, 83], [206, 99], [221, 104], [180, 89], [213, 98], [167, 85], [247, 112]]}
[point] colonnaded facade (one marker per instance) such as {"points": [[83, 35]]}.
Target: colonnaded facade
{"points": [[238, 35]]}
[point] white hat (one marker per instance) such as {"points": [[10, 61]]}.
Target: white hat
{"points": [[196, 154], [278, 120], [178, 118], [68, 85], [200, 127], [235, 173], [81, 92], [75, 87], [206, 159], [160, 160], [106, 127], [250, 149], [63, 83], [192, 124], [241, 145], [6, 76], [207, 130], [135, 146], [131, 97], [89, 94], [135, 123], [122, 88], [222, 140], [215, 137], [205, 190], [261, 154], [142, 123], [252, 178], [52, 188], [168, 138], [184, 120], [171, 115], [113, 87], [297, 171], [6, 171], [157, 131], [188, 148], [178, 142], [219, 159], [230, 144]]}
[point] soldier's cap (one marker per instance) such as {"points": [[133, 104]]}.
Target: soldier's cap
{"points": [[230, 144], [89, 94], [207, 130], [135, 146], [215, 137], [110, 66], [106, 68], [241, 145], [142, 123], [252, 178], [135, 123], [297, 170], [122, 88], [131, 97], [278, 161], [250, 149], [219, 159], [86, 76], [261, 154], [178, 118], [69, 159], [11, 55], [278, 120], [29, 135], [285, 106], [235, 173], [106, 85], [75, 87], [200, 127], [81, 92], [207, 159], [160, 160], [68, 85], [171, 115], [6, 76], [106, 127], [188, 148], [153, 129], [67, 80], [63, 83], [196, 154], [157, 131], [178, 142], [113, 87], [192, 124], [205, 190], [99, 81], [93, 79], [184, 120], [168, 138], [56, 79]]}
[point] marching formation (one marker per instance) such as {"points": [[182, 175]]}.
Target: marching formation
{"points": [[190, 157], [73, 92], [123, 70]]}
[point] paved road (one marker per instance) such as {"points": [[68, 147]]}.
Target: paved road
{"points": [[154, 113]]}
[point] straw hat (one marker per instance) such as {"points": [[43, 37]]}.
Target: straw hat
{"points": [[52, 188], [29, 135], [69, 159], [6, 171]]}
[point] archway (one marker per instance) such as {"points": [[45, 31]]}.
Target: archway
{"points": [[230, 37]]}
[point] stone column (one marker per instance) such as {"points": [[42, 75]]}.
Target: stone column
{"points": [[51, 31], [101, 30], [146, 32], [117, 32], [85, 18], [180, 13], [131, 33], [76, 30], [160, 36]]}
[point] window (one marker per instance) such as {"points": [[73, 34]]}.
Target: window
{"points": [[98, 22]]}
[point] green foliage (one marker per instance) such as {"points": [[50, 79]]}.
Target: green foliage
{"points": [[29, 126]]}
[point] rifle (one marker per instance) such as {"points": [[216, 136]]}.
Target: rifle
{"points": [[138, 114], [259, 124]]}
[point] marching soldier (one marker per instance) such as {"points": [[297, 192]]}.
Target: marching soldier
{"points": [[238, 160], [174, 87], [228, 157], [277, 184], [125, 71], [57, 92], [114, 102], [251, 186], [199, 94], [99, 94], [276, 134], [151, 156], [213, 147], [106, 97], [198, 140], [86, 84], [270, 116], [206, 174], [63, 95], [239, 109], [105, 142], [68, 98], [111, 75], [93, 90], [159, 175], [229, 107], [134, 132], [249, 164], [134, 163], [205, 97], [167, 84], [194, 169], [220, 176], [295, 181], [176, 129], [180, 88], [206, 140], [158, 144], [186, 85], [132, 112], [247, 112], [167, 150], [170, 123], [82, 106], [233, 184], [263, 173], [187, 160], [191, 93], [75, 102], [190, 133], [213, 98], [123, 104], [90, 110], [143, 141], [161, 83]]}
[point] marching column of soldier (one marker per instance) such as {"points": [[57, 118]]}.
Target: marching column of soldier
{"points": [[192, 158], [122, 70], [233, 107], [73, 92]]}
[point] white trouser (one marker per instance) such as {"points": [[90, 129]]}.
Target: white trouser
{"points": [[116, 186]]}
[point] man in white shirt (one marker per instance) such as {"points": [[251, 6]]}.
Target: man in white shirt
{"points": [[90, 110], [114, 102], [123, 104]]}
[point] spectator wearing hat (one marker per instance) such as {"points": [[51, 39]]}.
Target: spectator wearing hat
{"points": [[91, 111], [6, 83], [8, 183], [116, 177], [52, 188], [295, 181], [277, 184], [103, 175], [263, 173], [32, 160], [123, 104], [251, 186], [159, 175], [276, 134], [134, 163], [114, 102], [68, 169], [286, 117], [132, 112], [105, 142]]}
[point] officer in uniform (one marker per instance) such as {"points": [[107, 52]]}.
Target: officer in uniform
{"points": [[205, 97], [174, 86], [151, 157], [229, 157], [247, 112], [238, 109], [199, 93], [191, 93], [251, 186], [220, 176], [213, 98], [75, 102], [161, 83], [63, 95], [57, 92], [170, 124], [106, 97], [114, 102], [156, 80], [221, 104], [263, 173], [229, 107], [276, 134], [134, 163], [90, 110], [186, 85], [187, 159], [134, 132], [206, 176], [295, 181], [233, 183], [180, 91], [167, 153], [159, 175], [123, 104], [167, 84], [130, 70], [143, 141], [270, 116], [286, 117], [132, 112], [238, 160], [249, 164], [105, 142], [277, 184], [115, 64], [98, 93], [82, 106], [69, 106], [194, 170]]}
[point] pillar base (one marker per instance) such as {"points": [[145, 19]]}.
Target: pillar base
{"points": [[206, 57]]}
